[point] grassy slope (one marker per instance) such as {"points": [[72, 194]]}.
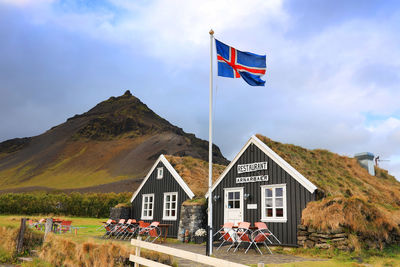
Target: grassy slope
{"points": [[117, 139], [80, 164], [355, 199]]}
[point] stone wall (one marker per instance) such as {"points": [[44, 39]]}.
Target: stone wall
{"points": [[308, 237], [120, 213], [193, 217]]}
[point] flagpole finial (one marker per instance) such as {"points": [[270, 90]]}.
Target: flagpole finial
{"points": [[211, 32]]}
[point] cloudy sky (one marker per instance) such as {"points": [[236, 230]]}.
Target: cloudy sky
{"points": [[333, 78]]}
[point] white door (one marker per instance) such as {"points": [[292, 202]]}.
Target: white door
{"points": [[233, 211]]}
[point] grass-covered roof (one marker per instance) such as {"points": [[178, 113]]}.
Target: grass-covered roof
{"points": [[195, 172]]}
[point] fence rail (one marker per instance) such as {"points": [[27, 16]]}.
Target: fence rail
{"points": [[177, 253]]}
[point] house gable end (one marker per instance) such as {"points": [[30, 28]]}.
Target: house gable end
{"points": [[163, 162], [274, 157]]}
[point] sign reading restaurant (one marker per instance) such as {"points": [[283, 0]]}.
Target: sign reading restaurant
{"points": [[251, 167], [252, 179]]}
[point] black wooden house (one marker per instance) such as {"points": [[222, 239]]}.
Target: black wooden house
{"points": [[258, 185], [170, 182], [160, 196]]}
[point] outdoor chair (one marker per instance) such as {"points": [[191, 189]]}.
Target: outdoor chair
{"points": [[263, 226], [40, 224], [142, 225], [123, 230], [227, 234], [64, 226], [117, 228], [243, 234], [130, 229], [31, 223], [109, 226], [261, 235], [152, 231]]}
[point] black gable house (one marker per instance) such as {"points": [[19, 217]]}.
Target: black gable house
{"points": [[164, 189], [258, 185]]}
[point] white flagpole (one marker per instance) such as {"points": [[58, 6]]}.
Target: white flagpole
{"points": [[210, 233]]}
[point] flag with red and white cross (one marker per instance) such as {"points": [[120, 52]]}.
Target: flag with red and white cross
{"points": [[234, 63]]}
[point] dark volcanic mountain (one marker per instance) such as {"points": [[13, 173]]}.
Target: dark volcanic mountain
{"points": [[117, 139]]}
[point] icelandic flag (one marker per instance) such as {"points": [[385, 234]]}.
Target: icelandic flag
{"points": [[233, 63]]}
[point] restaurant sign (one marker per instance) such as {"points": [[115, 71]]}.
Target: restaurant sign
{"points": [[252, 179], [251, 167]]}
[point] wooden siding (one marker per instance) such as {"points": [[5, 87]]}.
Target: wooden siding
{"points": [[158, 187], [297, 196]]}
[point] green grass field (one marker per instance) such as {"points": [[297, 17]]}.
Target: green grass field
{"points": [[90, 231]]}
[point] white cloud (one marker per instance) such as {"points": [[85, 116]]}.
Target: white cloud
{"points": [[25, 3], [319, 88]]}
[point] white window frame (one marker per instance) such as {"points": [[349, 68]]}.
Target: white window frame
{"points": [[263, 207], [170, 218], [160, 173], [152, 207]]}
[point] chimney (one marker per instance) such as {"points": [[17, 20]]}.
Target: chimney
{"points": [[366, 160]]}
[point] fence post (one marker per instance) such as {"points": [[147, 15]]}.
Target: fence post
{"points": [[20, 237], [137, 252], [47, 227]]}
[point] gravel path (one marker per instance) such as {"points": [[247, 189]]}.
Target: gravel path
{"points": [[251, 257]]}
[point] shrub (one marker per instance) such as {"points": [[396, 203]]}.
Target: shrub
{"points": [[75, 204]]}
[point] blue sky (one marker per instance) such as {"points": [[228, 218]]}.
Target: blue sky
{"points": [[333, 68]]}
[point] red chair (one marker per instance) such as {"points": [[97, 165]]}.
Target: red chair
{"points": [[109, 226], [227, 234], [262, 226], [152, 231], [64, 226], [143, 225], [117, 228], [243, 235], [130, 229]]}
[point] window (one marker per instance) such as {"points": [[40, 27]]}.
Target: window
{"points": [[234, 200], [170, 206], [160, 172], [147, 206], [273, 205]]}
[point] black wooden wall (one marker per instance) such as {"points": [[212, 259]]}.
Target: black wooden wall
{"points": [[297, 196], [158, 187]]}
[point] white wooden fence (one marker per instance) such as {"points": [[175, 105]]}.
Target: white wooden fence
{"points": [[177, 253]]}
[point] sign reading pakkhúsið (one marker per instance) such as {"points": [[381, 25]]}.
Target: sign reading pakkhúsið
{"points": [[251, 167], [252, 179]]}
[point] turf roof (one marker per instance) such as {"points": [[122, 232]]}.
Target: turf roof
{"points": [[195, 172]]}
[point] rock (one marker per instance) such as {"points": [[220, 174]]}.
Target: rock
{"points": [[301, 238], [309, 244], [338, 239], [323, 246], [313, 238], [339, 235], [302, 227], [303, 233], [325, 236], [311, 230]]}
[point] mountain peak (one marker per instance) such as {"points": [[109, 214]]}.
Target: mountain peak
{"points": [[119, 138], [127, 93]]}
